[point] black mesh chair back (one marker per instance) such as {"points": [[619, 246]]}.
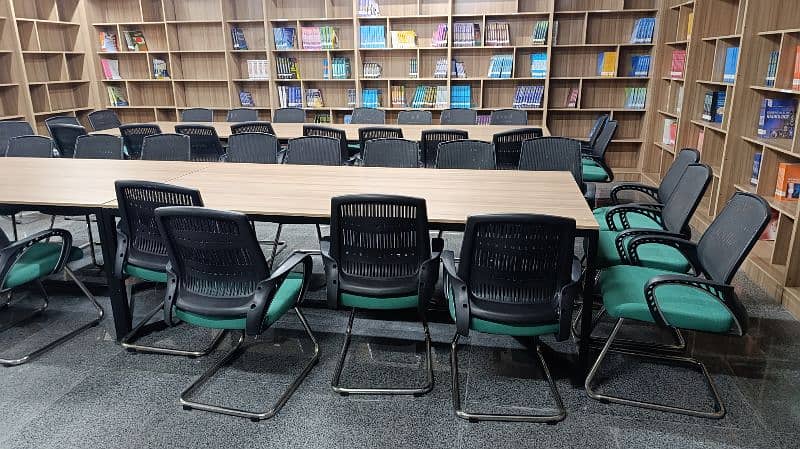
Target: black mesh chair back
{"points": [[216, 258], [313, 150], [167, 147], [458, 117], [377, 132], [204, 141], [414, 118], [733, 233], [133, 136], [242, 115], [137, 202], [379, 243], [604, 139], [99, 146], [60, 120], [30, 146], [252, 127], [254, 148], [552, 154], [368, 116], [12, 129], [670, 180], [289, 115], [507, 146], [326, 131], [65, 137], [594, 133], [514, 266], [197, 115], [509, 117], [104, 119], [680, 207], [430, 140], [466, 155], [398, 153]]}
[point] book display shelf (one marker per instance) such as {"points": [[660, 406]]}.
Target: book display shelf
{"points": [[13, 101]]}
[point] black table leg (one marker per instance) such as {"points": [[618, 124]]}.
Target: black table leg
{"points": [[116, 287], [586, 317]]}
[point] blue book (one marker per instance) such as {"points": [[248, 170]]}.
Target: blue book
{"points": [[731, 63], [756, 169], [600, 58], [777, 120], [539, 65]]}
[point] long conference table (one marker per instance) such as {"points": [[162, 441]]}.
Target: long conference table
{"points": [[290, 194], [285, 131]]}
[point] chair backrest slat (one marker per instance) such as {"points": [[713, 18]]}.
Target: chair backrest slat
{"points": [[552, 154], [597, 127], [60, 120], [204, 141], [133, 136], [604, 139], [430, 140], [377, 132], [65, 137], [507, 145], [327, 131], [252, 127]]}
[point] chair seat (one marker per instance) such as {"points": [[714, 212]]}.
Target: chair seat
{"points": [[38, 261], [622, 288], [594, 173], [636, 221], [285, 298], [373, 303], [589, 162], [145, 274], [662, 257], [513, 330]]}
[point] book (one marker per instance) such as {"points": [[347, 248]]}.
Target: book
{"points": [[237, 36], [679, 100], [670, 132], [500, 66], [258, 69], [371, 98], [555, 32], [643, 29], [160, 71], [497, 34], [701, 137], [284, 38], [404, 39], [689, 25], [413, 68], [286, 68], [458, 69], [371, 70], [368, 8], [771, 231], [635, 97], [539, 33], [640, 66], [466, 34], [607, 64], [461, 96], [678, 64], [731, 63], [796, 76], [340, 68], [115, 96], [528, 97], [290, 96], [572, 98], [787, 185], [372, 36], [714, 106], [439, 38], [756, 168], [246, 99], [314, 98], [351, 97], [539, 65], [110, 69], [777, 118], [398, 97], [135, 40], [440, 69], [772, 69], [108, 42]]}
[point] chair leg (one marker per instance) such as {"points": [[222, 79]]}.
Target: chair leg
{"points": [[624, 343], [62, 339], [188, 404], [419, 391], [14, 226], [560, 414], [719, 407], [91, 244]]}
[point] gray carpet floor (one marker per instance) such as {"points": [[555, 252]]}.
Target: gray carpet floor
{"points": [[89, 392]]}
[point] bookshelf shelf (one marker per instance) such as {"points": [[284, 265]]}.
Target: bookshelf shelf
{"points": [[779, 32], [711, 126], [776, 90]]}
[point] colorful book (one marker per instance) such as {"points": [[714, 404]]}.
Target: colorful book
{"points": [[607, 64], [777, 118], [572, 98], [500, 66], [108, 42], [689, 25], [115, 96], [539, 33], [678, 64], [110, 69], [135, 40], [643, 29], [368, 8], [796, 77], [756, 168], [640, 66], [539, 65], [771, 231], [239, 41], [372, 36], [528, 97], [772, 69], [246, 99], [787, 185], [404, 39], [160, 71], [497, 34], [439, 38], [284, 38]]}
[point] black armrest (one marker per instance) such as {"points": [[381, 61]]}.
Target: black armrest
{"points": [[122, 252], [687, 248], [620, 241], [13, 252], [266, 288], [170, 295], [623, 210], [722, 293], [429, 274], [652, 192], [459, 291], [566, 300]]}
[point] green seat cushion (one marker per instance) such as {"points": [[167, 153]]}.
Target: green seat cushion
{"points": [[651, 255], [636, 221], [589, 162], [512, 330], [684, 307], [38, 261], [366, 302], [285, 298], [146, 274], [594, 173]]}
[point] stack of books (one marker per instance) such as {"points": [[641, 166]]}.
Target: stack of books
{"points": [[440, 71], [678, 67], [643, 30], [160, 71], [287, 68], [258, 69], [539, 33], [398, 94], [108, 42], [501, 66], [439, 38], [371, 70], [246, 99], [290, 97], [341, 68], [319, 38], [497, 34], [640, 66], [110, 69], [284, 38], [239, 41], [135, 40], [528, 97], [670, 132], [461, 96], [539, 65], [429, 97], [404, 39], [458, 69], [441, 97], [115, 96], [635, 97], [314, 98], [777, 118], [413, 68], [371, 98], [368, 8], [571, 100], [714, 106], [351, 97], [372, 36], [466, 34], [322, 117], [731, 63], [607, 64], [772, 69]]}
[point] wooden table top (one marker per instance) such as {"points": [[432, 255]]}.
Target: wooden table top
{"points": [[411, 132]]}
